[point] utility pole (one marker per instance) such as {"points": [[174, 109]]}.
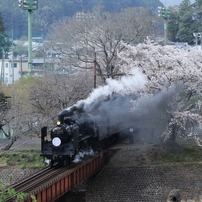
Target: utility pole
{"points": [[29, 5], [165, 14], [94, 71], [2, 66], [197, 35], [12, 61]]}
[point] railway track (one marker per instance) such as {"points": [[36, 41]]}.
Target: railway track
{"points": [[45, 178], [37, 179]]}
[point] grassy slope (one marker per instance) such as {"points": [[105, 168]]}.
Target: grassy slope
{"points": [[21, 159]]}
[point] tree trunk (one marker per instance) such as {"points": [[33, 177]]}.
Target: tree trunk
{"points": [[171, 141], [13, 139]]}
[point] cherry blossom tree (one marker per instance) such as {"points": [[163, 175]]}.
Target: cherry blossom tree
{"points": [[173, 85], [165, 80]]}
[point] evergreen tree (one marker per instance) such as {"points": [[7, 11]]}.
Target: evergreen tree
{"points": [[4, 44], [198, 15], [186, 22], [173, 24], [48, 12], [4, 106]]}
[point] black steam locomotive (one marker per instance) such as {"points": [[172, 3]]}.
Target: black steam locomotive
{"points": [[81, 128]]}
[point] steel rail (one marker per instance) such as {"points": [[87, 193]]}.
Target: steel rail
{"points": [[58, 179]]}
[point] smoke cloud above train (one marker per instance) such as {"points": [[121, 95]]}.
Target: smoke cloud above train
{"points": [[127, 99], [122, 99], [114, 99]]}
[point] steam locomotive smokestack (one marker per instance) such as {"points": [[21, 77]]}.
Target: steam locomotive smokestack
{"points": [[62, 114], [69, 112]]}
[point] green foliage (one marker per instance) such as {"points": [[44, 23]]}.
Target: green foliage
{"points": [[49, 11], [10, 192], [4, 106], [24, 156], [22, 159], [20, 50], [11, 158], [183, 22], [4, 43], [33, 198], [173, 25], [180, 155], [2, 28], [3, 102]]}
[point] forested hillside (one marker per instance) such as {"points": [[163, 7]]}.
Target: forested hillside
{"points": [[50, 10]]}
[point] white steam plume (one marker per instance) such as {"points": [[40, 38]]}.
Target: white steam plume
{"points": [[126, 84]]}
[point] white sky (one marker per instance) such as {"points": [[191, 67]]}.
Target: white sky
{"points": [[173, 2]]}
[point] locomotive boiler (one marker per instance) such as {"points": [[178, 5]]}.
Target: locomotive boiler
{"points": [[82, 128]]}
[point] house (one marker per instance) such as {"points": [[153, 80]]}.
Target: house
{"points": [[12, 70], [9, 75]]}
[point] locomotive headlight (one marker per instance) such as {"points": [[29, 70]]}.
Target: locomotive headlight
{"points": [[56, 141], [131, 130]]}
